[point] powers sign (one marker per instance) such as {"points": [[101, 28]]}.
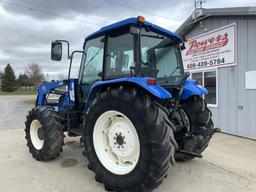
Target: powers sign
{"points": [[213, 49]]}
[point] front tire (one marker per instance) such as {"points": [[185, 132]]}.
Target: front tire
{"points": [[44, 133], [135, 156]]}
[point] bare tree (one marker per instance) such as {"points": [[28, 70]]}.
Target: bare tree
{"points": [[34, 73]]}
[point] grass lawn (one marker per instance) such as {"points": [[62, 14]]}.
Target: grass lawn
{"points": [[19, 93]]}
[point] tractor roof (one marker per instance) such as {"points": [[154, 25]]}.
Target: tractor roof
{"points": [[132, 21]]}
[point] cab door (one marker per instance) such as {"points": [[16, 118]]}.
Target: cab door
{"points": [[91, 69]]}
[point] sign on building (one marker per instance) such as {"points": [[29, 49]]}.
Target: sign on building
{"points": [[213, 49]]}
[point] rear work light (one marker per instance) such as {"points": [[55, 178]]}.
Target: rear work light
{"points": [[140, 19], [185, 39], [151, 81]]}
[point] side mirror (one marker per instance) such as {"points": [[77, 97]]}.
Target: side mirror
{"points": [[56, 51]]}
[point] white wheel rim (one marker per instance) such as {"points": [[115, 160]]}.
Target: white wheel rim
{"points": [[36, 141], [116, 142]]}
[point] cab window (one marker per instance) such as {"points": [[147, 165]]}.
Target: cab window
{"points": [[120, 55], [93, 61]]}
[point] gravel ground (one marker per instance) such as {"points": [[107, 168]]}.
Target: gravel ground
{"points": [[14, 111], [228, 164]]}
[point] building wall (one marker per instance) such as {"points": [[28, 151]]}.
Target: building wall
{"points": [[236, 111]]}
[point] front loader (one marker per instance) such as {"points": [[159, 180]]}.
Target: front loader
{"points": [[132, 104]]}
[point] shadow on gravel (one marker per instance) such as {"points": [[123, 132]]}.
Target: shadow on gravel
{"points": [[69, 163]]}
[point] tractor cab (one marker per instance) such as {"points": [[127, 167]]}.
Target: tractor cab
{"points": [[132, 48], [128, 49]]}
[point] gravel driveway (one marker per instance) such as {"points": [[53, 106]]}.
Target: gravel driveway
{"points": [[228, 164], [14, 111]]}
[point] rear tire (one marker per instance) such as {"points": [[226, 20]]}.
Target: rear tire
{"points": [[44, 133], [199, 118], [153, 129]]}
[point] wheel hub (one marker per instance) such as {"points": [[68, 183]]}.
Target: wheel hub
{"points": [[123, 144], [36, 134], [40, 133], [116, 135], [119, 139]]}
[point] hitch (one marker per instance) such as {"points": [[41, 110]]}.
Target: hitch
{"points": [[216, 130], [189, 153], [204, 143]]}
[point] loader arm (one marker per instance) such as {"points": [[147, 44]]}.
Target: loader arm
{"points": [[47, 88]]}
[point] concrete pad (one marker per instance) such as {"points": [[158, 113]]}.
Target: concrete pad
{"points": [[235, 154], [221, 169]]}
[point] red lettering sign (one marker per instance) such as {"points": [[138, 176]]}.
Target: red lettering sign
{"points": [[211, 43]]}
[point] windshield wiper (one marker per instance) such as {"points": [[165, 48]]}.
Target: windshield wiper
{"points": [[176, 68], [94, 56]]}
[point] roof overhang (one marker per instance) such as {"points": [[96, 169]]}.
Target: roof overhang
{"points": [[201, 14]]}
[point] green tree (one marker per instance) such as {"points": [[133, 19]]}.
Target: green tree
{"points": [[23, 80], [8, 79], [1, 75]]}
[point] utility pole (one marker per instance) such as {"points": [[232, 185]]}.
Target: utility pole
{"points": [[198, 8], [199, 4]]}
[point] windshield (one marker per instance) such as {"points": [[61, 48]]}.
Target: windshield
{"points": [[92, 63], [161, 58]]}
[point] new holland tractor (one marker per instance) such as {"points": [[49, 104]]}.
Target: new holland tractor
{"points": [[132, 104]]}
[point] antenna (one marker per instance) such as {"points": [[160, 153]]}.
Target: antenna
{"points": [[199, 4]]}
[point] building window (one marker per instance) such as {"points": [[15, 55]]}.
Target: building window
{"points": [[208, 79]]}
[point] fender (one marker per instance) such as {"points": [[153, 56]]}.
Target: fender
{"points": [[155, 90], [192, 88]]}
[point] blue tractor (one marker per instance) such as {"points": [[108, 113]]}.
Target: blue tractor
{"points": [[132, 105]]}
